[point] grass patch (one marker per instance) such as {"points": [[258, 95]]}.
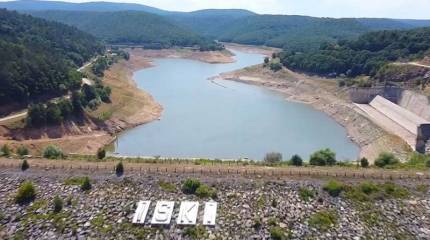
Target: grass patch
{"points": [[167, 187], [277, 233], [323, 220], [197, 232], [368, 191], [422, 188], [306, 194], [74, 181], [261, 202]]}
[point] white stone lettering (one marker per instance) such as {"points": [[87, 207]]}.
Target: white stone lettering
{"points": [[163, 213], [188, 213], [141, 212], [209, 216]]}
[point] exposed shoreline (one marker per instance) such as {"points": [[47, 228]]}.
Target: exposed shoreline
{"points": [[323, 95]]}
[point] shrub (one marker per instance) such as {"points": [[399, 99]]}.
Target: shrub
{"points": [[26, 193], [190, 186], [296, 160], [323, 157], [5, 150], [334, 188], [277, 233], [53, 152], [22, 151], [257, 223], [323, 220], [58, 204], [428, 163], [306, 194], [392, 190], [119, 169], [386, 159], [273, 158], [204, 191], [25, 165], [168, 187], [86, 184], [364, 163], [101, 153]]}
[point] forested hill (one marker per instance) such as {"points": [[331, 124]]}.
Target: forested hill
{"points": [[39, 57], [363, 56], [128, 27]]}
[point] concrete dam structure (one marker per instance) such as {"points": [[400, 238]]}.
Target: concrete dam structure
{"points": [[380, 106]]}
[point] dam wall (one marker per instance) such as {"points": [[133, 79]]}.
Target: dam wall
{"points": [[366, 95], [416, 103]]}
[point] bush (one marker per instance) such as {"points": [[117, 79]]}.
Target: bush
{"points": [[324, 157], [86, 184], [364, 163], [25, 165], [5, 150], [386, 159], [334, 188], [119, 169], [428, 163], [101, 153], [22, 151], [190, 186], [204, 191], [323, 220], [58, 204], [53, 152], [273, 158], [26, 193], [296, 160], [306, 194], [277, 233]]}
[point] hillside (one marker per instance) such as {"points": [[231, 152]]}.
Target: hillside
{"points": [[128, 27], [363, 56], [35, 5], [40, 58]]}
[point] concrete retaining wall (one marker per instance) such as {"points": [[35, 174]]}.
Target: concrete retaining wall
{"points": [[416, 103], [366, 95]]}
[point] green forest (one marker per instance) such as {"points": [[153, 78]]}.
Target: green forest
{"points": [[365, 55], [39, 58], [131, 28]]}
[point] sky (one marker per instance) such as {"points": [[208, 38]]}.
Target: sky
{"points": [[407, 9]]}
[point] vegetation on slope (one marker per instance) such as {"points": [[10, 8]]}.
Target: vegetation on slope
{"points": [[40, 58], [130, 28], [363, 56]]}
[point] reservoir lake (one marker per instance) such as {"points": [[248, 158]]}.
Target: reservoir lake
{"points": [[226, 119]]}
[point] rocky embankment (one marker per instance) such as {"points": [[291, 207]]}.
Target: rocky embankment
{"points": [[248, 209]]}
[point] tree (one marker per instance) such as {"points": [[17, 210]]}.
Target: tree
{"points": [[324, 157], [58, 204], [273, 158], [53, 152], [266, 60], [86, 184], [275, 66], [386, 159], [36, 115], [53, 114], [101, 153], [119, 169], [25, 165], [26, 193], [77, 103], [364, 162], [296, 160]]}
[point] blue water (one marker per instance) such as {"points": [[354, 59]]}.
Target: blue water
{"points": [[235, 120]]}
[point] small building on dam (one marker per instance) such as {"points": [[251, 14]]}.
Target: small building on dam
{"points": [[398, 111]]}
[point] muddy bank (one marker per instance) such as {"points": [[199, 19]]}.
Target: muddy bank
{"points": [[324, 95]]}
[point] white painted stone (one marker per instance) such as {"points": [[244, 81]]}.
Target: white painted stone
{"points": [[141, 212], [188, 213], [209, 215], [163, 213]]}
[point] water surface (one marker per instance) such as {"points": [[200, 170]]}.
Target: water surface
{"points": [[235, 120]]}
